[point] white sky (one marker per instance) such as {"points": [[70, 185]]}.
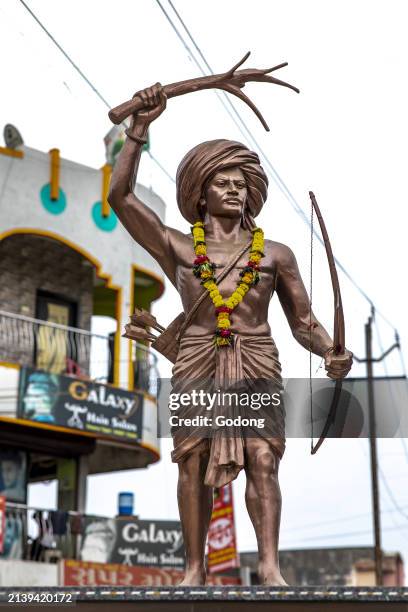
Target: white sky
{"points": [[344, 137]]}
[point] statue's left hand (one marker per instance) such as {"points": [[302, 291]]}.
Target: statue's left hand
{"points": [[338, 366]]}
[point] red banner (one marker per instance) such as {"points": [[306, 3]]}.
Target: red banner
{"points": [[222, 545], [2, 520], [82, 573]]}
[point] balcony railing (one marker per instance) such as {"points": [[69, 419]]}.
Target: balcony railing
{"points": [[62, 349]]}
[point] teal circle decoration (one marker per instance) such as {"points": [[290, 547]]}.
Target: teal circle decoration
{"points": [[55, 207], [107, 224]]}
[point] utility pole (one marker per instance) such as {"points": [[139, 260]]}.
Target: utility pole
{"points": [[373, 453], [370, 360]]}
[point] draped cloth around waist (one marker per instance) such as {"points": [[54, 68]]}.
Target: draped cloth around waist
{"points": [[251, 363]]}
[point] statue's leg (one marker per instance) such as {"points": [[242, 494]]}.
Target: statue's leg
{"points": [[195, 501], [263, 501]]}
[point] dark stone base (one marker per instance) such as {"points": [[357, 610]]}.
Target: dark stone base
{"points": [[218, 599]]}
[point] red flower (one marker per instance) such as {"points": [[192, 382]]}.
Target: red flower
{"points": [[200, 259], [225, 333], [253, 264], [223, 309]]}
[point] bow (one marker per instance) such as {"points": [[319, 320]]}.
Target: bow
{"points": [[338, 327]]}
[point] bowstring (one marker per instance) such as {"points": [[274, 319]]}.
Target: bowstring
{"points": [[310, 326]]}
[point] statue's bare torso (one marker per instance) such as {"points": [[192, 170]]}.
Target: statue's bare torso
{"points": [[251, 315]]}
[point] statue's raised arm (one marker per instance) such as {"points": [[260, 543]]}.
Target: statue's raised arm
{"points": [[165, 244], [140, 220]]}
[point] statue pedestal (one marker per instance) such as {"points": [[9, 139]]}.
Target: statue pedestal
{"points": [[204, 599]]}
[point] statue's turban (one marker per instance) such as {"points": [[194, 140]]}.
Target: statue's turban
{"points": [[208, 158]]}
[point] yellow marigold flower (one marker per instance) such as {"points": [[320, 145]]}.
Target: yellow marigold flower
{"points": [[224, 324], [209, 285], [201, 249], [237, 297], [243, 285]]}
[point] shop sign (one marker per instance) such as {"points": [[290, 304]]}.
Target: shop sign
{"points": [[130, 541], [81, 573], [222, 546], [79, 404]]}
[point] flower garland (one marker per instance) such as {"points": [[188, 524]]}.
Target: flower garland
{"points": [[204, 269]]}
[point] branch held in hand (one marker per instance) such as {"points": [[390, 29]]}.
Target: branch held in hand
{"points": [[231, 81]]}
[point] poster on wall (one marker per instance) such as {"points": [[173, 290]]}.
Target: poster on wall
{"points": [[13, 475], [222, 544], [2, 521], [80, 404], [130, 541], [13, 536]]}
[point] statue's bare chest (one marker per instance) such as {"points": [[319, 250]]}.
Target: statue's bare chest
{"points": [[220, 255]]}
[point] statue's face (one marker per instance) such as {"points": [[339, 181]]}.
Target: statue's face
{"points": [[226, 194]]}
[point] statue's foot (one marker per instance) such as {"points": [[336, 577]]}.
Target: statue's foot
{"points": [[271, 576], [274, 580], [193, 578]]}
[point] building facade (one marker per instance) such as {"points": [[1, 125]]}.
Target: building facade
{"points": [[73, 400]]}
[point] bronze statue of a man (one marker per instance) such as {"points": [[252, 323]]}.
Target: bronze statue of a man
{"points": [[222, 184]]}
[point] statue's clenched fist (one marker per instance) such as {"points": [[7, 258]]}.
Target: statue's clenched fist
{"points": [[154, 100], [338, 366]]}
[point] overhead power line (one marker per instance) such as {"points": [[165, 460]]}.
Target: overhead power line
{"points": [[281, 185], [223, 98], [348, 534], [391, 495], [275, 176], [85, 78], [248, 135], [65, 54], [390, 386], [342, 519], [398, 507]]}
